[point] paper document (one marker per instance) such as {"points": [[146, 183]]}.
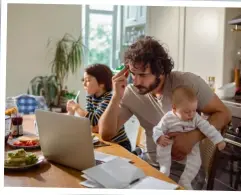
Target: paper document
{"points": [[91, 184], [153, 183], [117, 173], [107, 157], [87, 178]]}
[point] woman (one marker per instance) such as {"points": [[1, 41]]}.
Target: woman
{"points": [[98, 85]]}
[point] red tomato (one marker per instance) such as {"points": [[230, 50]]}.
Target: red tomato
{"points": [[16, 143]]}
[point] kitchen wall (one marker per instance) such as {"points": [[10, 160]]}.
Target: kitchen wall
{"points": [[198, 39], [29, 27], [163, 24], [204, 38]]}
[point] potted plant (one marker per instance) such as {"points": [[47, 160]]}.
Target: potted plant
{"points": [[67, 60], [46, 86]]}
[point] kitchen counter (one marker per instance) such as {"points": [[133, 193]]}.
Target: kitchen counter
{"points": [[234, 106], [232, 101]]}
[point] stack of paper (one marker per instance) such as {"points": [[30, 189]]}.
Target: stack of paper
{"points": [[154, 184], [119, 174], [100, 156]]}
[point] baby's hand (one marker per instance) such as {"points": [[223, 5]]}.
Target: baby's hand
{"points": [[164, 140], [221, 145]]}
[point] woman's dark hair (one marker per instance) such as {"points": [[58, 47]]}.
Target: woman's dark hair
{"points": [[146, 50], [102, 73]]}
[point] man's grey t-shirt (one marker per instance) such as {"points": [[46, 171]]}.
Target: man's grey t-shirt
{"points": [[150, 110]]}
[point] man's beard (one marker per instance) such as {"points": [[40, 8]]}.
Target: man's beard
{"points": [[144, 90]]}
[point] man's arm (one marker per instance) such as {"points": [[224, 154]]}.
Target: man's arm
{"points": [[111, 120], [115, 114], [220, 116]]}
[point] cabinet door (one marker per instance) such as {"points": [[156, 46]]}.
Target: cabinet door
{"points": [[130, 15], [141, 19], [131, 128]]}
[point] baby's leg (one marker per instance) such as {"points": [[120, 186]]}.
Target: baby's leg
{"points": [[192, 167], [164, 158]]}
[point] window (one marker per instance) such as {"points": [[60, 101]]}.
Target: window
{"points": [[100, 23]]}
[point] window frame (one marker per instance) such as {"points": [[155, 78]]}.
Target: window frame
{"points": [[86, 11]]}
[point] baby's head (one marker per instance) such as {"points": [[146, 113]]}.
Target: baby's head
{"points": [[184, 103], [97, 79]]}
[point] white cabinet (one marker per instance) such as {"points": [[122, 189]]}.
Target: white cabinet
{"points": [[141, 14], [134, 15], [130, 15], [131, 128], [134, 23]]}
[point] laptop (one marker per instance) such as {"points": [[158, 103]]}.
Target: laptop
{"points": [[66, 139]]}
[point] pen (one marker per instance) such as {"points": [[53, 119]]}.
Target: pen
{"points": [[134, 181], [76, 97]]}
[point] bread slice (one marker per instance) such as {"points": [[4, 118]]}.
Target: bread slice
{"points": [[28, 138]]}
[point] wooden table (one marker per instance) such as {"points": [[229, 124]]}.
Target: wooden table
{"points": [[49, 174]]}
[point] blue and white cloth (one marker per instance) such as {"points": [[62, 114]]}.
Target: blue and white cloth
{"points": [[27, 104]]}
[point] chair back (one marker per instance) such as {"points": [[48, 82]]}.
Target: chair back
{"points": [[26, 104]]}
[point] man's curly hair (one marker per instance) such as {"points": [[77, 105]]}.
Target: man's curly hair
{"points": [[146, 50]]}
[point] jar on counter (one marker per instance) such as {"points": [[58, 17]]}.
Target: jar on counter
{"points": [[17, 125], [10, 103], [211, 83], [11, 106]]}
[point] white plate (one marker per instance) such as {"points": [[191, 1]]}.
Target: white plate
{"points": [[11, 141], [40, 160]]}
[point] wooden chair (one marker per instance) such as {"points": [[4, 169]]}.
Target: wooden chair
{"points": [[139, 142], [140, 138], [210, 158]]}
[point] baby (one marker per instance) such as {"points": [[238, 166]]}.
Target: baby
{"points": [[183, 118]]}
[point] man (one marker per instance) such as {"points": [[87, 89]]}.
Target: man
{"points": [[149, 99]]}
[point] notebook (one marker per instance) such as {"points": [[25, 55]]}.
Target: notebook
{"points": [[119, 174]]}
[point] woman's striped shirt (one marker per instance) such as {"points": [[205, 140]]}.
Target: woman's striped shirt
{"points": [[95, 106]]}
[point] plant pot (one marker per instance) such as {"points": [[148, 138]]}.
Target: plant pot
{"points": [[63, 101], [56, 109]]}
